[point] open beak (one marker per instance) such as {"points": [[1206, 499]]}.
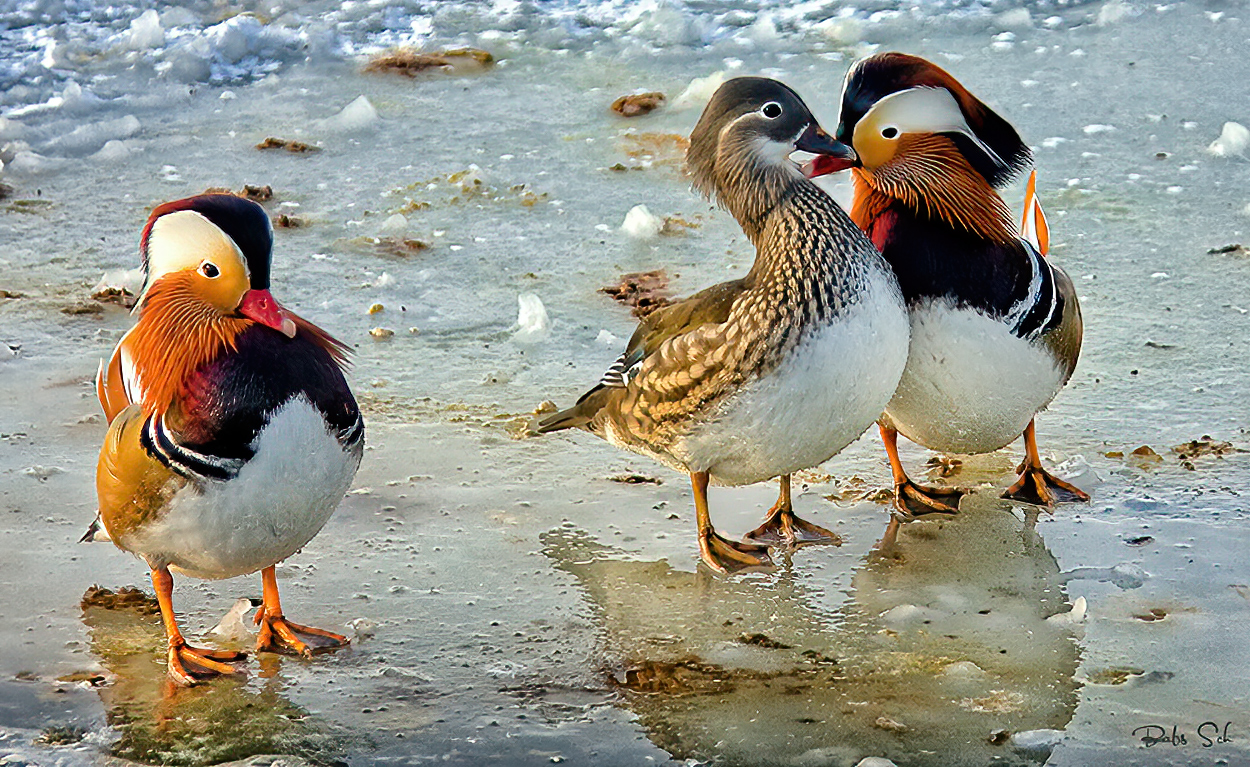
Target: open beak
{"points": [[260, 306], [831, 155]]}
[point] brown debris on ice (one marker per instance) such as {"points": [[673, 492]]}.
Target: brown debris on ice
{"points": [[115, 295], [654, 150], [410, 62], [261, 194], [644, 292], [125, 598], [635, 479], [283, 221], [638, 104], [295, 147]]}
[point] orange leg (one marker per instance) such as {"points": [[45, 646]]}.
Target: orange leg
{"points": [[277, 634], [782, 527], [718, 552], [912, 500], [186, 664], [1036, 485]]}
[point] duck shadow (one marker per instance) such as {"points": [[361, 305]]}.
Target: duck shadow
{"points": [[942, 640]]}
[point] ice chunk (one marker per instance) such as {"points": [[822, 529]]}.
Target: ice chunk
{"points": [[1233, 140], [699, 91], [146, 32], [355, 116], [130, 280], [532, 323], [395, 224], [30, 163], [1015, 18], [11, 129], [1037, 741], [607, 339], [900, 615], [964, 670], [1113, 11], [91, 137], [112, 151], [875, 761], [1073, 617], [232, 626], [641, 224], [1096, 128]]}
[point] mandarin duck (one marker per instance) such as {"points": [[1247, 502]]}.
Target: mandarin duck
{"points": [[232, 434], [995, 326], [777, 371]]}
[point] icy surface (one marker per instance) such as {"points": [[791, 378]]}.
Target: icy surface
{"points": [[503, 594]]}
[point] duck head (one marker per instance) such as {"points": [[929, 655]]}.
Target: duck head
{"points": [[740, 149], [899, 109], [215, 249]]}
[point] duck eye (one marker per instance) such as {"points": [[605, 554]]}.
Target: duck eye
{"points": [[889, 131], [209, 270], [771, 110]]}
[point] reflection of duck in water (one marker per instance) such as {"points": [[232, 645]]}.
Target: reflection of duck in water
{"points": [[930, 654], [778, 371], [158, 721]]}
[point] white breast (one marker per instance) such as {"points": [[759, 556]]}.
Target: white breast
{"points": [[827, 391], [970, 385], [280, 499]]}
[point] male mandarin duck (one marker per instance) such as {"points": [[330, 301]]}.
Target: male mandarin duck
{"points": [[233, 434], [775, 372], [995, 326]]}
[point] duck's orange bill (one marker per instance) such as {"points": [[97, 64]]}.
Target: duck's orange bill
{"points": [[260, 306]]}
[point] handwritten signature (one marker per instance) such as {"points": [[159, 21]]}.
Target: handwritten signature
{"points": [[1208, 733]]}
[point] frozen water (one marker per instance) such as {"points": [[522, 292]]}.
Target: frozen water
{"points": [[505, 598]]}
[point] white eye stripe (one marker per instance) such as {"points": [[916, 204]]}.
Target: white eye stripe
{"points": [[924, 110]]}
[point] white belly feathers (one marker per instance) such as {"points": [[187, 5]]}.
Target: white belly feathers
{"points": [[826, 392], [970, 385], [280, 499]]}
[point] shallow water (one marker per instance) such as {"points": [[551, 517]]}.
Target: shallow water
{"points": [[512, 604]]}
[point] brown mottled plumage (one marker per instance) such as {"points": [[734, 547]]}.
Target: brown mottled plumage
{"points": [[711, 385]]}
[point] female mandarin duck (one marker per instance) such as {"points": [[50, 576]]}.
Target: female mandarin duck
{"points": [[774, 372], [995, 327], [232, 432]]}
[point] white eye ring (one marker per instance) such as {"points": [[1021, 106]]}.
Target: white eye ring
{"points": [[210, 270], [771, 110], [889, 132]]}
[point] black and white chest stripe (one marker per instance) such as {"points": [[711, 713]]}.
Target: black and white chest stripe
{"points": [[200, 466], [185, 461], [1041, 308]]}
